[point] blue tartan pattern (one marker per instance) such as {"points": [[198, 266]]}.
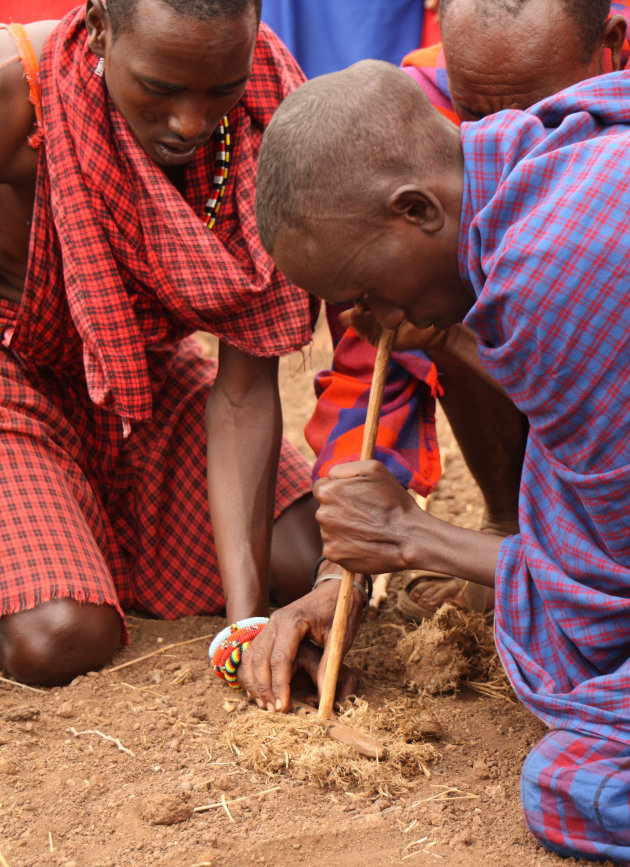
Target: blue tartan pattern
{"points": [[575, 791], [544, 246]]}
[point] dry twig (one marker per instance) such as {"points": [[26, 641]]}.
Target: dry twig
{"points": [[22, 686], [115, 741], [158, 651], [446, 795], [226, 808], [223, 803]]}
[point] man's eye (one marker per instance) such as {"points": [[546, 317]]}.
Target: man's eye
{"points": [[154, 91], [226, 91]]}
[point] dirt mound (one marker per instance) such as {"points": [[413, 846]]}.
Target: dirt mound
{"points": [[455, 647]]}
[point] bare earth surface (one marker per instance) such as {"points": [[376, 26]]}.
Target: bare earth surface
{"points": [[113, 769]]}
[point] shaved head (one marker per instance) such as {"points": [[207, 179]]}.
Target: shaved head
{"points": [[512, 53], [588, 16], [340, 141]]}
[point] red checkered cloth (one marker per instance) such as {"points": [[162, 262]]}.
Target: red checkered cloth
{"points": [[119, 260], [89, 514], [120, 266]]}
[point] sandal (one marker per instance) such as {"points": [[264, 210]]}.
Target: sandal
{"points": [[472, 597]]}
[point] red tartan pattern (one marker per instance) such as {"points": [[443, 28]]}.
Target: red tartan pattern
{"points": [[88, 514], [119, 260]]}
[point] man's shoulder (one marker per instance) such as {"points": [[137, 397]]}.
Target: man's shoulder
{"points": [[431, 57], [272, 55], [36, 33], [17, 115], [592, 113], [427, 67]]}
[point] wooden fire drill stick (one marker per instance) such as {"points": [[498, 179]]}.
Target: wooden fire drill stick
{"points": [[340, 621]]}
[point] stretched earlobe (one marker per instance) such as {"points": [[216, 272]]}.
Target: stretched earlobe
{"points": [[613, 39], [97, 23], [418, 206]]}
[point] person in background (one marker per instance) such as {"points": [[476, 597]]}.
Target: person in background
{"points": [[325, 35]]}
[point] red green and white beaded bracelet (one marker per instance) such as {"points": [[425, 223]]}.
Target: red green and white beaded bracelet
{"points": [[227, 648]]}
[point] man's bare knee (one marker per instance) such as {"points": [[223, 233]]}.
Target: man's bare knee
{"points": [[54, 642]]}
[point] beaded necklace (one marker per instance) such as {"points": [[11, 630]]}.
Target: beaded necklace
{"points": [[219, 181]]}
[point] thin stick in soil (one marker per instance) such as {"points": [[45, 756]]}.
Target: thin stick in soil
{"points": [[223, 802], [158, 651], [21, 686], [115, 741]]}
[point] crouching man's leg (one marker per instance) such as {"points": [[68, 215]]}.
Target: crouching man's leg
{"points": [[60, 613], [58, 640], [576, 796]]}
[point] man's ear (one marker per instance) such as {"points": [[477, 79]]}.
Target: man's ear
{"points": [[417, 206], [613, 38], [98, 26]]}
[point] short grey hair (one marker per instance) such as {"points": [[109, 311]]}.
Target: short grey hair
{"points": [[334, 138]]}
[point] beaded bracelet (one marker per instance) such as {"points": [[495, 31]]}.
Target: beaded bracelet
{"points": [[227, 648], [319, 579]]}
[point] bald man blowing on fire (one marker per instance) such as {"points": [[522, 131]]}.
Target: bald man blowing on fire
{"points": [[517, 225]]}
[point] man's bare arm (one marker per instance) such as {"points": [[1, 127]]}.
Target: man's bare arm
{"points": [[244, 433], [369, 523]]}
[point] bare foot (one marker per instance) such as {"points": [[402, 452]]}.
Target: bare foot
{"points": [[431, 593]]}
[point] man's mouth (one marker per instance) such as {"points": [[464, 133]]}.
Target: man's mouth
{"points": [[176, 153]]}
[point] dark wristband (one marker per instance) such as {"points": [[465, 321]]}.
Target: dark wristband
{"points": [[368, 578]]}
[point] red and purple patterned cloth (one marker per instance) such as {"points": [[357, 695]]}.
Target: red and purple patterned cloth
{"points": [[406, 441], [544, 246]]}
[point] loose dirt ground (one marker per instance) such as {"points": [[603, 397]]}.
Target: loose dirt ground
{"points": [[107, 771]]}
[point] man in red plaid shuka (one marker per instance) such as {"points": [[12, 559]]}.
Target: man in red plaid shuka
{"points": [[106, 405]]}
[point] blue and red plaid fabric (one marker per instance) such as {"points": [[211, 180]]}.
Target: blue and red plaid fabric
{"points": [[119, 260], [575, 791], [409, 446], [544, 245]]}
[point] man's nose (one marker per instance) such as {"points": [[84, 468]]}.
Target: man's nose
{"points": [[189, 121]]}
